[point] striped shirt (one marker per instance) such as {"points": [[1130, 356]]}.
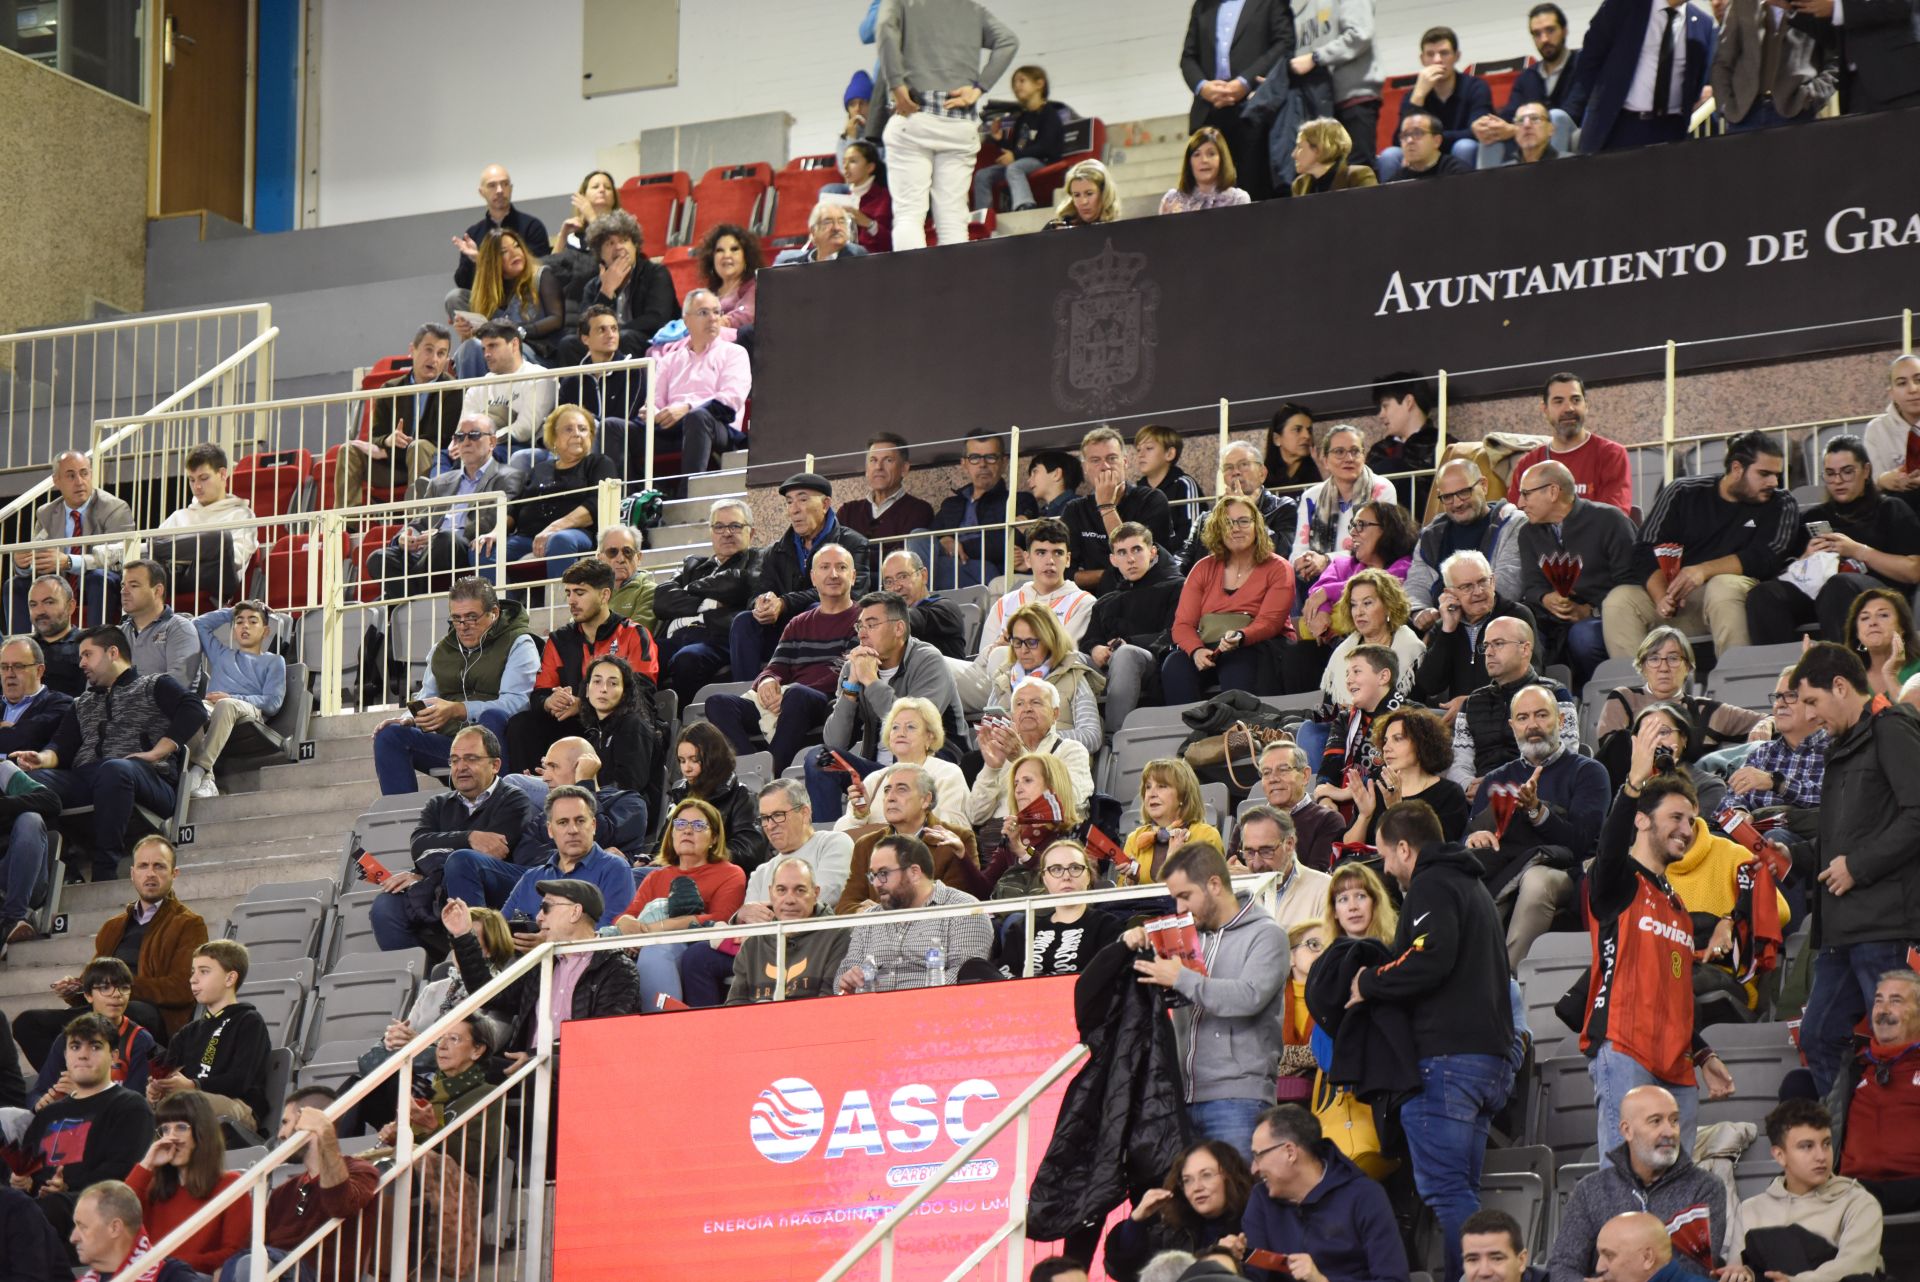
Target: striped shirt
{"points": [[812, 649]]}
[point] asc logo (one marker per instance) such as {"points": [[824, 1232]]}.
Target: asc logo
{"points": [[788, 1118]]}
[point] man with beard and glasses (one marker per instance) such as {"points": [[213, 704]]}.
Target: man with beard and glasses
{"points": [[882, 956], [1733, 531], [1530, 868], [1598, 465], [1483, 740], [1646, 1169], [1859, 538]]}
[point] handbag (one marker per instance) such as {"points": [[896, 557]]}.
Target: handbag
{"points": [[1241, 739], [1345, 1121], [1215, 626]]}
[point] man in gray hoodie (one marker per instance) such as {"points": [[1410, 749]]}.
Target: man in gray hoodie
{"points": [[1229, 1021], [1649, 1172]]}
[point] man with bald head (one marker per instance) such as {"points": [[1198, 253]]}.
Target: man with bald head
{"points": [[77, 508], [1649, 1171], [1243, 471], [1635, 1248], [621, 824], [1562, 802], [1600, 535], [496, 188], [1482, 738], [813, 960], [1467, 523]]}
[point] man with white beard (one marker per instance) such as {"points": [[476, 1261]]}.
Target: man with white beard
{"points": [[1556, 820]]}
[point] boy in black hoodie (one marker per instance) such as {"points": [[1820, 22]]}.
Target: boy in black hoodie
{"points": [[224, 1053], [96, 1132], [1450, 970]]}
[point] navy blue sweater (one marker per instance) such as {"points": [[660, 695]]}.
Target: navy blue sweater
{"points": [[1346, 1224]]}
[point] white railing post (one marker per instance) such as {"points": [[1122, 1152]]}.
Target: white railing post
{"points": [[332, 598], [1012, 513], [400, 1195], [545, 1037], [1017, 1198], [1220, 454]]}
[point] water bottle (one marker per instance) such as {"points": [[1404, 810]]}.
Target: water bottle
{"points": [[936, 966], [869, 973]]}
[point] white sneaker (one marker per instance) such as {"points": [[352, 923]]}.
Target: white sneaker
{"points": [[206, 787]]}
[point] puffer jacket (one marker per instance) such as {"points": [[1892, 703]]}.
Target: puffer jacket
{"points": [[1121, 1122], [1870, 814]]}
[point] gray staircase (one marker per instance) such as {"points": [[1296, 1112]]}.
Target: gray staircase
{"points": [[281, 823]]}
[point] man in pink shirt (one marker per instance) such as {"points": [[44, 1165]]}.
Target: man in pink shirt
{"points": [[1599, 466], [703, 387]]}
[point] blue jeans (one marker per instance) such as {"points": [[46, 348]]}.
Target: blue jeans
{"points": [[566, 547], [950, 572], [749, 645], [1762, 115], [1843, 982], [239, 1266], [113, 789], [827, 789], [480, 880], [392, 928], [1228, 1120], [706, 976], [1446, 1127], [1392, 160], [1586, 649], [1614, 1074], [1019, 191], [1182, 682], [659, 968], [803, 710], [402, 753], [22, 863]]}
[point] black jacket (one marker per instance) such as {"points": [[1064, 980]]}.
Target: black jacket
{"points": [[1870, 813], [1088, 551], [34, 1251], [1262, 40], [1140, 611], [1450, 967], [740, 812], [1455, 662], [1133, 1243], [34, 730], [939, 623], [784, 574], [1373, 1046], [643, 304], [609, 986], [620, 394], [237, 1068], [989, 509], [706, 578], [63, 664], [443, 828], [529, 228], [1121, 1122]]}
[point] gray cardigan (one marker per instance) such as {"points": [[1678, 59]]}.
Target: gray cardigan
{"points": [[935, 44], [922, 673], [1342, 42]]}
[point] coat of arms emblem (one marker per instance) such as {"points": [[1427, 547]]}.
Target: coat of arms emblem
{"points": [[1104, 334]]}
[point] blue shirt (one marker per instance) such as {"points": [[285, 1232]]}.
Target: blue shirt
{"points": [[1225, 19], [260, 679], [469, 483], [610, 874]]}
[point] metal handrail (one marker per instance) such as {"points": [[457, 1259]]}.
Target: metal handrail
{"points": [[263, 311]]}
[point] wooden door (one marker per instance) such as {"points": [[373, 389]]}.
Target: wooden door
{"points": [[203, 109]]}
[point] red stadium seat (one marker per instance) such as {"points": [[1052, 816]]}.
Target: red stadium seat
{"points": [[728, 194], [826, 160], [272, 484], [794, 194], [370, 541], [1500, 83], [1086, 140], [1391, 95], [686, 275], [286, 571], [655, 206], [386, 369]]}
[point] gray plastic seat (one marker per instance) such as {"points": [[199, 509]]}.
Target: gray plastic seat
{"points": [[352, 928], [357, 1003], [278, 929]]}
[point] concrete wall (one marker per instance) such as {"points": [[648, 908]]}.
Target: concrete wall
{"points": [[74, 199], [417, 98]]}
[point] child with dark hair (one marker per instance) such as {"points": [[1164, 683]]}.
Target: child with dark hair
{"points": [[107, 986]]}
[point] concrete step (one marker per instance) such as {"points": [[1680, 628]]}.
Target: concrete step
{"points": [[1163, 154], [711, 485], [305, 803], [355, 725]]}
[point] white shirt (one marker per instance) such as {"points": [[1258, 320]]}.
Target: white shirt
{"points": [[1640, 92], [527, 402], [1071, 604]]}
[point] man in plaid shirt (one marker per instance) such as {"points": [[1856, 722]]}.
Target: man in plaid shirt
{"points": [[1787, 769]]}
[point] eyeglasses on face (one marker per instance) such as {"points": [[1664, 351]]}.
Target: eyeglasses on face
{"points": [[728, 527], [1359, 523], [1240, 524], [1458, 496], [1262, 852], [1312, 943], [1782, 699], [983, 458], [770, 818], [1344, 451], [879, 876], [1666, 661], [1500, 643], [624, 554], [1406, 134], [1024, 643], [1064, 870], [689, 825], [1474, 585], [473, 436]]}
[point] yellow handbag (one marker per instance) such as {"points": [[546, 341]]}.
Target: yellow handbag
{"points": [[1349, 1124]]}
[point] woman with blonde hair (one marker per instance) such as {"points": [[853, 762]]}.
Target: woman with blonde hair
{"points": [[693, 884], [1037, 646], [1040, 811], [1089, 196], [913, 734], [1171, 815], [1233, 613], [559, 508], [1358, 906], [1320, 157], [510, 285], [1206, 175], [1372, 610]]}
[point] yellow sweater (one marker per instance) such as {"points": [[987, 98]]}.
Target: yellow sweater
{"points": [[1704, 876], [1140, 845]]}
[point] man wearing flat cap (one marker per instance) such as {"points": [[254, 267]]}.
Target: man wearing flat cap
{"points": [[783, 588], [586, 985]]}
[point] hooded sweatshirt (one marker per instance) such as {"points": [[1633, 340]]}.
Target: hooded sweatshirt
{"points": [[1230, 1031], [1684, 1197], [227, 1054], [199, 516], [1450, 959], [1346, 1224], [1840, 1212], [813, 964]]}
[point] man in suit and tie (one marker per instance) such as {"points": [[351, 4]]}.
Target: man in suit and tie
{"points": [[440, 540], [80, 509], [1642, 68], [406, 433], [1767, 71], [1232, 45], [1879, 47]]}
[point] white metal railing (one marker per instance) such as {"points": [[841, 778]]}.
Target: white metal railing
{"points": [[118, 363], [402, 1239]]}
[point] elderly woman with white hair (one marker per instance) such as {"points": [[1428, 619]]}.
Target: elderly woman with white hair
{"points": [[830, 235], [1030, 728], [912, 733]]}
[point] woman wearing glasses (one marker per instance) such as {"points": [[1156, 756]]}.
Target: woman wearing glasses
{"points": [[1037, 646], [1064, 938], [1665, 661], [1327, 510], [693, 884], [1232, 619], [1199, 1203], [1371, 610], [1384, 535], [182, 1171]]}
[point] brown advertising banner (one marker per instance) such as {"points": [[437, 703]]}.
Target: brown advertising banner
{"points": [[1506, 271]]}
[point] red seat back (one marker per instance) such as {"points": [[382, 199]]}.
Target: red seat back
{"points": [[656, 209], [385, 370], [794, 194], [1086, 140], [272, 484], [1392, 94], [730, 195], [286, 572], [687, 274]]}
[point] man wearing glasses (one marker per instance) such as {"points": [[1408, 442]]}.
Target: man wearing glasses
{"points": [[1467, 523], [632, 590], [1350, 1233], [1562, 523], [1244, 473], [1422, 154], [1858, 539], [932, 619], [969, 558], [1265, 841], [883, 956], [694, 610], [1454, 664], [704, 383], [1531, 143], [440, 540], [1483, 737], [1286, 781], [1786, 770]]}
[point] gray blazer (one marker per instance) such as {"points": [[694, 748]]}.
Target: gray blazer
{"points": [[1808, 74], [495, 476], [103, 514]]}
